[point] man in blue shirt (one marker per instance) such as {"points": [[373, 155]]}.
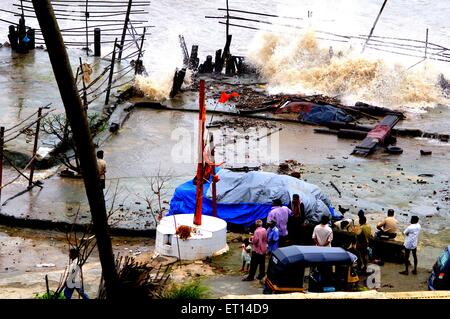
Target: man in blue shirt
{"points": [[273, 236]]}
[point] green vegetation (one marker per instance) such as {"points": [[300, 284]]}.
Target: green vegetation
{"points": [[190, 290], [50, 295]]}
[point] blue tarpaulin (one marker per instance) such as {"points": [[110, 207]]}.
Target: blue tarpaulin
{"points": [[242, 198], [183, 202], [321, 114]]}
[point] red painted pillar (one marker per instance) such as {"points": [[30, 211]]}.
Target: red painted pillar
{"points": [[201, 147]]}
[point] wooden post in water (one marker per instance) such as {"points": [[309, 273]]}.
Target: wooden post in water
{"points": [[13, 37], [82, 136], [228, 23], [2, 137], [426, 44], [125, 26], [97, 42], [138, 64], [373, 27], [36, 140], [86, 17], [111, 73], [31, 34]]}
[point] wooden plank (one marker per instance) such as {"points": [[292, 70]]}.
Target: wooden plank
{"points": [[376, 135]]}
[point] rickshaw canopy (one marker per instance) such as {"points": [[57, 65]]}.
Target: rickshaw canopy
{"points": [[313, 255]]}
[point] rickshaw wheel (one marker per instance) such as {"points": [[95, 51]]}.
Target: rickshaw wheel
{"points": [[267, 290]]}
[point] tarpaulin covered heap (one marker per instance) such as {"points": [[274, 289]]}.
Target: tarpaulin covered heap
{"points": [[242, 198]]}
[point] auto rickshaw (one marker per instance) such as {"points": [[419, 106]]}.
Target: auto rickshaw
{"points": [[440, 274], [330, 269]]}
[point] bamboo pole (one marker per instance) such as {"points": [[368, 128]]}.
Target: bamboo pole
{"points": [[94, 14], [240, 18], [374, 24], [426, 44], [81, 133], [86, 15], [259, 13], [228, 23], [97, 42], [138, 60], [111, 73], [36, 140], [125, 26], [67, 2], [241, 26], [92, 27], [75, 10]]}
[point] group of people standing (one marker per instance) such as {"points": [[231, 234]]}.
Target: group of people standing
{"points": [[286, 226], [265, 241], [386, 229]]}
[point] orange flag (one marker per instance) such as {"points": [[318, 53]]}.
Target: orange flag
{"points": [[225, 96]]}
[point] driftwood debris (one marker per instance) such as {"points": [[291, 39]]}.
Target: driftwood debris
{"points": [[351, 134], [334, 127], [378, 135], [335, 187]]}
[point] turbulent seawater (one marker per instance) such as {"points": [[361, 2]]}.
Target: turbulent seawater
{"points": [[294, 57], [293, 51], [300, 65]]}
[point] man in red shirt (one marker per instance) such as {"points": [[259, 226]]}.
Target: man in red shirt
{"points": [[259, 242]]}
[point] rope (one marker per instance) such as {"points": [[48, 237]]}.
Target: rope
{"points": [[20, 173], [9, 129], [27, 127]]}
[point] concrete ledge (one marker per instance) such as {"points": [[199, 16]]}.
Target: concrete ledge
{"points": [[64, 226], [371, 294]]}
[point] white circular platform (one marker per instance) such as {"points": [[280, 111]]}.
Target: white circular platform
{"points": [[210, 238]]}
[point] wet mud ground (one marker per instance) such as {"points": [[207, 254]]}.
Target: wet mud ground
{"points": [[26, 256]]}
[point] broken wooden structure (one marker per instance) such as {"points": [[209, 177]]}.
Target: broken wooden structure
{"points": [[178, 79], [114, 20], [12, 133], [377, 136]]}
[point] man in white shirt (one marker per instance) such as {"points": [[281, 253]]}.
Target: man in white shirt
{"points": [[411, 239], [322, 234], [74, 281], [101, 164]]}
